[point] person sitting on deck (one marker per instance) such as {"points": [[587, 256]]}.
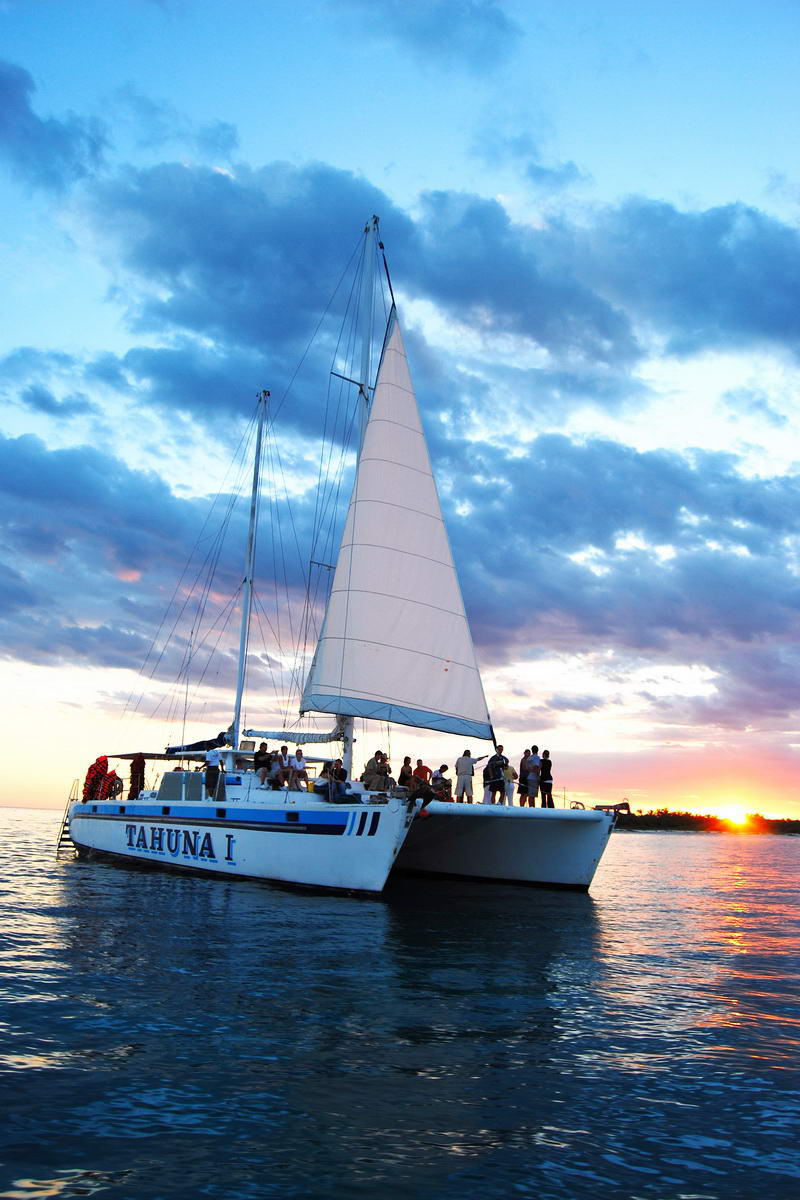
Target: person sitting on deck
{"points": [[327, 787], [376, 773], [406, 773], [262, 760], [441, 784], [422, 772], [280, 770], [339, 771], [297, 771]]}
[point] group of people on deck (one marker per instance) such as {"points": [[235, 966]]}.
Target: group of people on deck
{"points": [[278, 769], [500, 780]]}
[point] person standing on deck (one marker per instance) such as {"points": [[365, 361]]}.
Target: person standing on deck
{"points": [[422, 772], [522, 788], [534, 767], [137, 776], [546, 780], [510, 776], [494, 778], [213, 761], [465, 770]]}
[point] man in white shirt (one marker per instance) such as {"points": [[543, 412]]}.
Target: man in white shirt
{"points": [[281, 771], [213, 762], [465, 769], [534, 767], [297, 770]]}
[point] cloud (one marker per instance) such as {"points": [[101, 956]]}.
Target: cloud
{"points": [[92, 569], [502, 277], [477, 35], [218, 255], [44, 152], [551, 179], [558, 551], [522, 148], [595, 545], [562, 544], [40, 399], [722, 278], [208, 255], [158, 124], [754, 403]]}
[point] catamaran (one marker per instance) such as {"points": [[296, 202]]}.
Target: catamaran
{"points": [[394, 646]]}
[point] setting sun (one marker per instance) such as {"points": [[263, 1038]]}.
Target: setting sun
{"points": [[735, 813]]}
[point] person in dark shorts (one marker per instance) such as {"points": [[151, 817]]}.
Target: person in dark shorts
{"points": [[493, 776], [546, 780]]}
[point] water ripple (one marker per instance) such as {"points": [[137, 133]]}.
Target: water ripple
{"points": [[165, 1037]]}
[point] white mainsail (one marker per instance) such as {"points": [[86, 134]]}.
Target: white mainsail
{"points": [[395, 644]]}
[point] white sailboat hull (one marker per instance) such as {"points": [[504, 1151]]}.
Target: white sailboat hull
{"points": [[551, 847], [294, 837]]}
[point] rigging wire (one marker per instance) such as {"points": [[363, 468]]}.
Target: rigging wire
{"points": [[239, 456], [196, 583]]}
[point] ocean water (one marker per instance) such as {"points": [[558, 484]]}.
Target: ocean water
{"points": [[175, 1037]]}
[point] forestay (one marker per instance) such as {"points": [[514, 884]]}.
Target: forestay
{"points": [[395, 644]]}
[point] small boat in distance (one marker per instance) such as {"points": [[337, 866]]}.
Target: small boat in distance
{"points": [[391, 649]]}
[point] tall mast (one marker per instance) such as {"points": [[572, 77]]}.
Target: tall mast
{"points": [[366, 303], [247, 588]]}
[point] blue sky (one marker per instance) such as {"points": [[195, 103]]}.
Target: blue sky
{"points": [[591, 216]]}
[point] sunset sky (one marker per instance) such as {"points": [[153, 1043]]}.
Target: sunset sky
{"points": [[591, 215]]}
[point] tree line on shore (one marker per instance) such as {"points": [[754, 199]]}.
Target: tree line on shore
{"points": [[662, 818]]}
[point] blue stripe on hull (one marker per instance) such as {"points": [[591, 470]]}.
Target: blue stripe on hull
{"points": [[266, 820], [183, 812]]}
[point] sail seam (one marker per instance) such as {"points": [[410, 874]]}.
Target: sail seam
{"points": [[399, 424], [386, 384], [417, 653], [407, 553], [419, 512], [405, 602], [394, 463]]}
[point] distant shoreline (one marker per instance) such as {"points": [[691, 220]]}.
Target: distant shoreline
{"points": [[685, 822], [654, 821]]}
